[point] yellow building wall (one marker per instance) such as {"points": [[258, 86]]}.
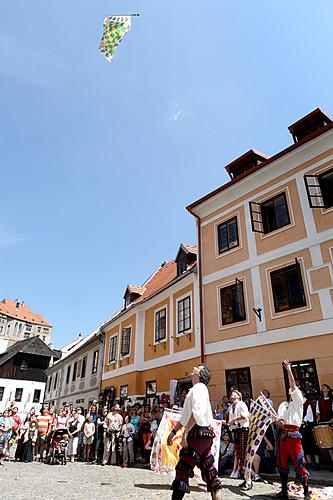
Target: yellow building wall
{"points": [[163, 348], [265, 363]]}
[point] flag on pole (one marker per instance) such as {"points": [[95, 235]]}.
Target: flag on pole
{"points": [[262, 415], [115, 28]]}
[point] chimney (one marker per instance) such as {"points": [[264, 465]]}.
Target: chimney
{"points": [[244, 163], [315, 120]]}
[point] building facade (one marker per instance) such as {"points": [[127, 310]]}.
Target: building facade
{"points": [[18, 322], [75, 378], [22, 374], [266, 254], [154, 339]]}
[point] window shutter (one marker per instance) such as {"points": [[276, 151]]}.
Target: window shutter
{"points": [[239, 296], [313, 189], [299, 272], [256, 217]]}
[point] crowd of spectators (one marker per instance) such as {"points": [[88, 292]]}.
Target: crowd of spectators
{"points": [[124, 435]]}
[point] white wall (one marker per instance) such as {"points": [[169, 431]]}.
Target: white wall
{"points": [[28, 387]]}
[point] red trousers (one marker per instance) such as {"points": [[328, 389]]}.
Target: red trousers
{"points": [[291, 447]]}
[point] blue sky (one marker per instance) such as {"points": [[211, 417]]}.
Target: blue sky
{"points": [[99, 159]]}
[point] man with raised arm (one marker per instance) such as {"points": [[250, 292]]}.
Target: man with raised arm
{"points": [[196, 418], [289, 442]]}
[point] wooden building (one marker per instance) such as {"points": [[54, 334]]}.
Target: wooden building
{"points": [[22, 373]]}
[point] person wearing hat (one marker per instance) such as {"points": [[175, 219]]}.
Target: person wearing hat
{"points": [[196, 417], [113, 424]]}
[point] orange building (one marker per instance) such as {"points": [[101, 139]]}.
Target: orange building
{"points": [[265, 261], [154, 338]]}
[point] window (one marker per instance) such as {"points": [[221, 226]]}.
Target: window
{"points": [[50, 383], [26, 335], [240, 379], [113, 349], [181, 265], [68, 374], [320, 189], [1, 329], [74, 372], [275, 213], [84, 367], [184, 315], [36, 398], [28, 327], [232, 303], [39, 329], [160, 325], [55, 381], [270, 215], [45, 330], [95, 362], [18, 395], [44, 338], [227, 234], [123, 391], [125, 341], [287, 288], [2, 390], [306, 377]]}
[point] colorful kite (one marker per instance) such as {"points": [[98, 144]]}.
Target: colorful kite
{"points": [[115, 28]]}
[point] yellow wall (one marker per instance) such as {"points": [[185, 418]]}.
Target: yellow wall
{"points": [[163, 348]]}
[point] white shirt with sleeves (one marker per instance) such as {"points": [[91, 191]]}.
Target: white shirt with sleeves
{"points": [[197, 403], [292, 413], [239, 410]]}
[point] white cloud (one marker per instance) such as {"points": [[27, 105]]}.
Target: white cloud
{"points": [[9, 237], [28, 65]]}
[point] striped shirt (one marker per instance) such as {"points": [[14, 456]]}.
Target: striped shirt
{"points": [[43, 422]]}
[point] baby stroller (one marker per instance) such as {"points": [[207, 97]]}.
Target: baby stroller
{"points": [[58, 450]]}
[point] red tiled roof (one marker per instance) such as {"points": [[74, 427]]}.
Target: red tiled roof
{"points": [[23, 313], [190, 248], [161, 277], [135, 289]]}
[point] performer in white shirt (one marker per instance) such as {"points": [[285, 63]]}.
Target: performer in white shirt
{"points": [[239, 425], [197, 418], [289, 442]]}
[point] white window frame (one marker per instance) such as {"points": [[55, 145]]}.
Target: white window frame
{"points": [[179, 299], [113, 362], [296, 310], [157, 342], [236, 324], [121, 341], [224, 219]]}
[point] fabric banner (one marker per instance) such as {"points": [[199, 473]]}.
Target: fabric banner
{"points": [[262, 415], [115, 28], [164, 458]]}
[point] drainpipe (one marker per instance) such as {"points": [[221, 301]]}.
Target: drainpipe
{"points": [[202, 340]]}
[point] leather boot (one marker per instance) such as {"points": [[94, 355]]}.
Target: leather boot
{"points": [[307, 494], [178, 495]]}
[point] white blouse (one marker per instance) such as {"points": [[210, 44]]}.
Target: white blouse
{"points": [[197, 403], [292, 413], [239, 410]]}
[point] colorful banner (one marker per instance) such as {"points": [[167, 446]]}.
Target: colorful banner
{"points": [[115, 28], [262, 415], [164, 458]]}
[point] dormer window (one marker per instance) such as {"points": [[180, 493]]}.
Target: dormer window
{"points": [[186, 256], [132, 293], [181, 266]]}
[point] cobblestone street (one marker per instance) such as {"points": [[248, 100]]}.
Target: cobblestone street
{"points": [[82, 481]]}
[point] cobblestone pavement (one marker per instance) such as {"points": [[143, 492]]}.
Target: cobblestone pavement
{"points": [[85, 481]]}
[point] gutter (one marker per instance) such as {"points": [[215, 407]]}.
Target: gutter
{"points": [[199, 263]]}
